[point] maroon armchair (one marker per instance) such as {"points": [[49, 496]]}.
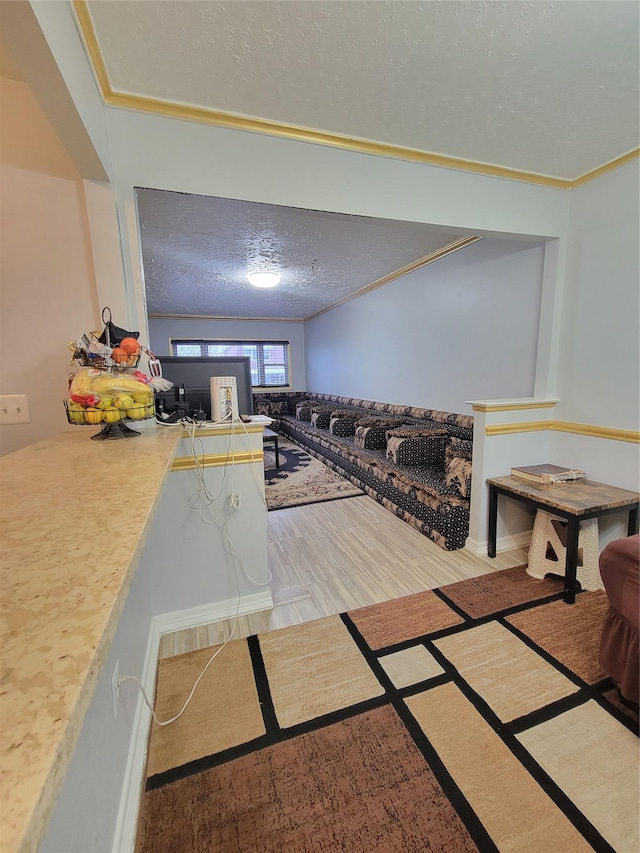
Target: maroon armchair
{"points": [[620, 569]]}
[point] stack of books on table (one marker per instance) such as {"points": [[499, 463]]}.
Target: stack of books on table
{"points": [[547, 473]]}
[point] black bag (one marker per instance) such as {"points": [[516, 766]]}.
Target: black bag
{"points": [[116, 335]]}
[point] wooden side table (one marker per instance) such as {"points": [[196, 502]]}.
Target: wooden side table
{"points": [[574, 500]]}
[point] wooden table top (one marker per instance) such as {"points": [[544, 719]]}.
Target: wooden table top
{"points": [[573, 496]]}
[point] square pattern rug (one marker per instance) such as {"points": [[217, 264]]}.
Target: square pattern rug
{"points": [[471, 717]]}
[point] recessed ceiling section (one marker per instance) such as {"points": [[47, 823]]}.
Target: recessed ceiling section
{"points": [[197, 252], [548, 88]]}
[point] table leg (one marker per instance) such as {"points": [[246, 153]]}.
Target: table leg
{"points": [[571, 567], [493, 521], [275, 441], [633, 527]]}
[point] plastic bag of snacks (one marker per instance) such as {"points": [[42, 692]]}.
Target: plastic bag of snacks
{"points": [[97, 395], [113, 347]]}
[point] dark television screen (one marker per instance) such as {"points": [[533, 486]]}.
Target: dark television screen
{"points": [[192, 376]]}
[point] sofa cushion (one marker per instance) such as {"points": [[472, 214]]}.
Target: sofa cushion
{"points": [[457, 476], [416, 447], [458, 447], [262, 407], [342, 423], [320, 418], [278, 407], [371, 433], [303, 410]]}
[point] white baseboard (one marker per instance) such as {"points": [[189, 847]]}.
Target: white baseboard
{"points": [[505, 543], [126, 826], [203, 614], [165, 623]]}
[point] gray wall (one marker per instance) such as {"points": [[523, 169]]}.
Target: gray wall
{"points": [[161, 330], [462, 328]]}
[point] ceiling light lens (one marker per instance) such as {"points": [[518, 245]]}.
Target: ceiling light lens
{"points": [[264, 279]]}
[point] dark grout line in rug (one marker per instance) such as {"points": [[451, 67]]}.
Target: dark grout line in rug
{"points": [[262, 685], [588, 691], [506, 611], [395, 697], [470, 622], [271, 738], [459, 802], [553, 791]]}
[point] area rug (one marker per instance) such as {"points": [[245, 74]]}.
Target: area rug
{"points": [[301, 479], [405, 726]]}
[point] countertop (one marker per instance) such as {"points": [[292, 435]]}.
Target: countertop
{"points": [[74, 516], [577, 497]]}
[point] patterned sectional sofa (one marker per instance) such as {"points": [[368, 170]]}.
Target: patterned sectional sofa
{"points": [[415, 462]]}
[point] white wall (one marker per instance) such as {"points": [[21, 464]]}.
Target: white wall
{"points": [[598, 372], [185, 566], [599, 369], [48, 294], [162, 329], [85, 813], [57, 22], [462, 328], [599, 376]]}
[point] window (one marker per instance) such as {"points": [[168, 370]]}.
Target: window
{"points": [[269, 359]]}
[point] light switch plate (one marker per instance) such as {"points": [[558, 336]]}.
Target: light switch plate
{"points": [[14, 409]]}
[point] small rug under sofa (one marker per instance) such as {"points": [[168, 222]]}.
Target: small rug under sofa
{"points": [[301, 479]]}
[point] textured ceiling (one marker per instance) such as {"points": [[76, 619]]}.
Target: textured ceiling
{"points": [[197, 251], [549, 88]]}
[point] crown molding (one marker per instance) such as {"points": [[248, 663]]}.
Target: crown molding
{"points": [[85, 23], [217, 118], [216, 317], [608, 167], [415, 265], [232, 121]]}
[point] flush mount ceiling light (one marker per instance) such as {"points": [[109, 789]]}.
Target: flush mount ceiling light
{"points": [[263, 279]]}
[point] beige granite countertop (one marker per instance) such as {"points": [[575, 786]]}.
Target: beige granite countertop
{"points": [[577, 497], [74, 515]]}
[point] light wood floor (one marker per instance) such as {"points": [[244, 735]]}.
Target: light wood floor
{"points": [[326, 558]]}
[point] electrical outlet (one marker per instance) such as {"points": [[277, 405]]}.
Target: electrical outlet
{"points": [[14, 409], [115, 687]]}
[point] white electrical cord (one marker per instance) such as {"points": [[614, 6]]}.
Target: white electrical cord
{"points": [[137, 681], [209, 501]]}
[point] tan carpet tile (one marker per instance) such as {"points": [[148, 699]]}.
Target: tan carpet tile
{"points": [[224, 712], [410, 666], [315, 668], [571, 633], [510, 677], [499, 590], [358, 786], [594, 759], [403, 619], [514, 810]]}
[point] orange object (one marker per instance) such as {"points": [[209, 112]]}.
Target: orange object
{"points": [[119, 355], [130, 346]]}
